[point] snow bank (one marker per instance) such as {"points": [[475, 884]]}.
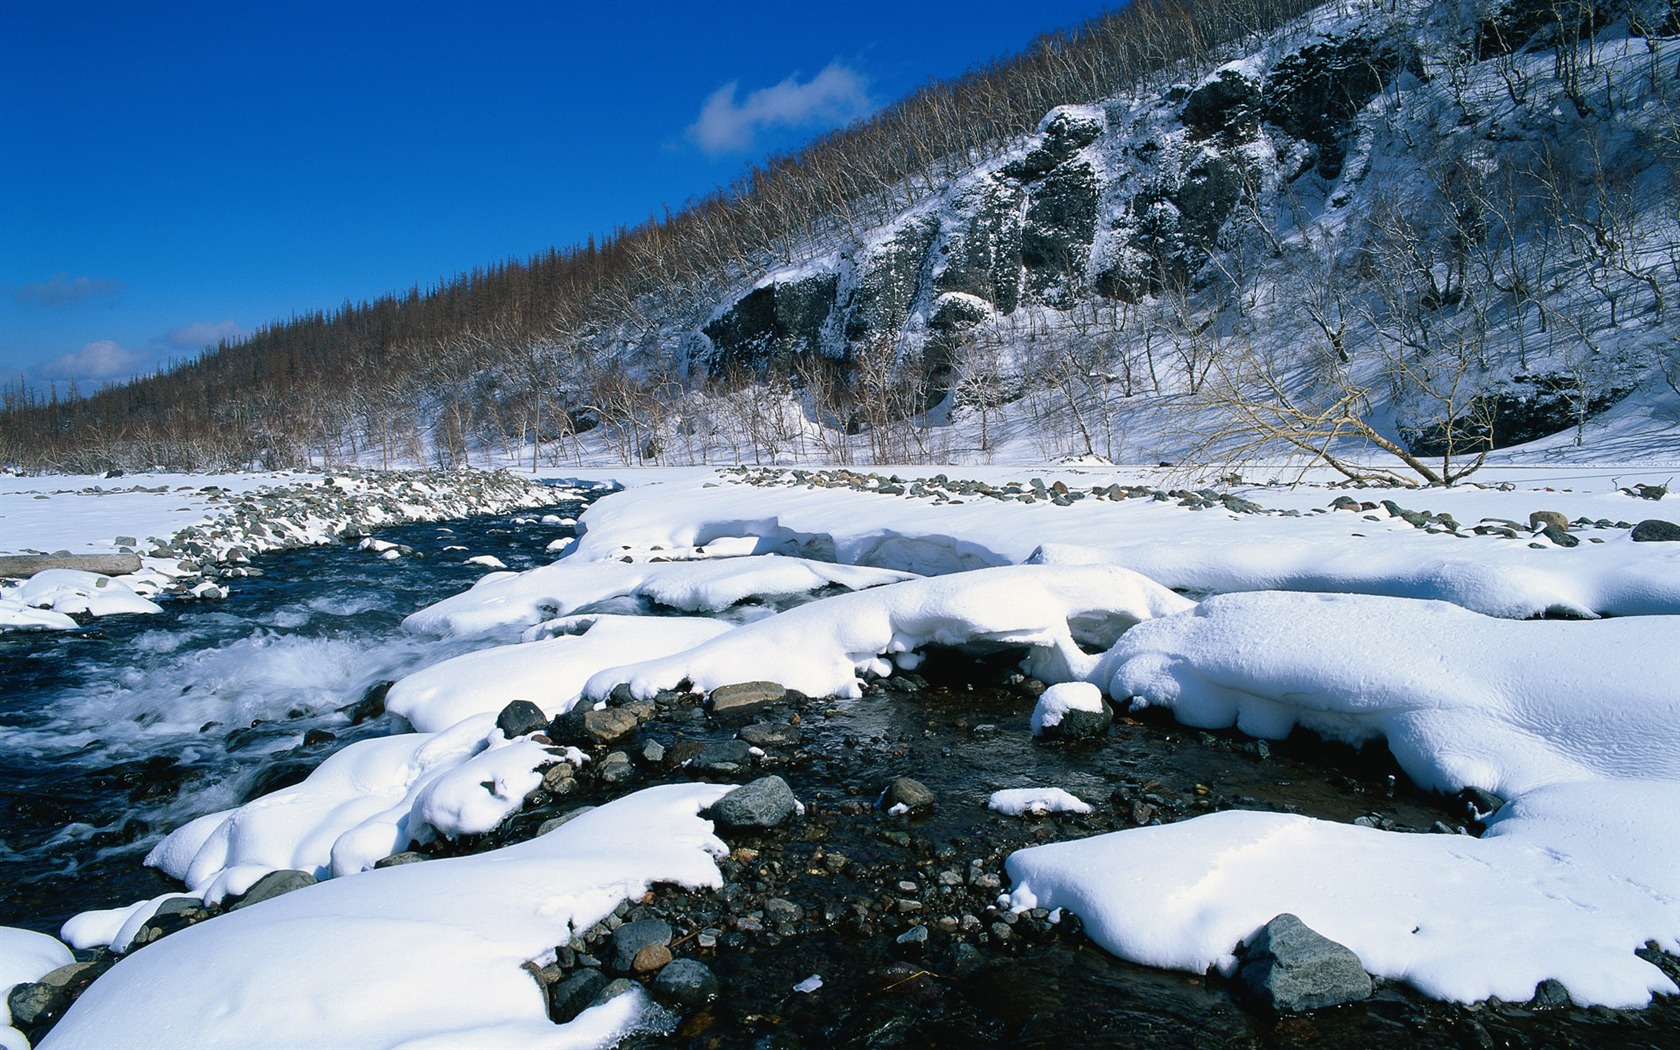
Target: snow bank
{"points": [[72, 591], [1299, 546], [549, 672], [24, 956], [501, 601], [1462, 699], [821, 648], [1567, 883], [363, 803], [418, 954], [16, 615]]}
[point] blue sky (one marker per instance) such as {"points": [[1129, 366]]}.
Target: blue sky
{"points": [[172, 173]]}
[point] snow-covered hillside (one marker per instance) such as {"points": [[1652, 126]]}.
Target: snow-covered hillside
{"points": [[1384, 230]]}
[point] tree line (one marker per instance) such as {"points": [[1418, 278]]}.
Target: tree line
{"points": [[571, 338]]}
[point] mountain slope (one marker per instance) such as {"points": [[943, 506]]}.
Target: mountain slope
{"points": [[1414, 231]]}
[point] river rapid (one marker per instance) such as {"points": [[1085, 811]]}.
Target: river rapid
{"points": [[114, 735]]}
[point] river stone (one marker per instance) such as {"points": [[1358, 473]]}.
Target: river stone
{"points": [[764, 803], [725, 758], [521, 717], [650, 960], [608, 725], [272, 885], [1541, 518], [574, 994], [397, 860], [34, 1003], [565, 818], [744, 699], [1656, 530], [1550, 994], [613, 990], [770, 734], [629, 940], [1560, 535], [911, 794], [616, 768], [1083, 725], [686, 984], [1291, 967]]}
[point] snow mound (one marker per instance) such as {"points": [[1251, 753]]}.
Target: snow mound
{"points": [[1055, 702], [18, 616], [25, 956], [1568, 882], [1013, 802], [362, 804], [821, 648], [501, 601], [1462, 699], [549, 672], [71, 591], [443, 942]]}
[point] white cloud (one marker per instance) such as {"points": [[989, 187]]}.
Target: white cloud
{"points": [[63, 290], [834, 96], [202, 334], [99, 360]]}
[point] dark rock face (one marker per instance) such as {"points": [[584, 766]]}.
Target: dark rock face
{"points": [[1065, 133], [889, 280], [34, 1004], [1081, 725], [1314, 93], [1291, 967], [1656, 530], [769, 325], [1226, 107], [574, 994], [1530, 407], [983, 258], [726, 758], [1061, 223], [764, 803]]}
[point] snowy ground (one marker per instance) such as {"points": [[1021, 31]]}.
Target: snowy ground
{"points": [[1361, 625]]}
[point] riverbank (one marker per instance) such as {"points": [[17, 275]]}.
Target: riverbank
{"points": [[1060, 572]]}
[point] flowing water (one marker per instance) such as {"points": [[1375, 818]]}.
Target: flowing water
{"points": [[114, 735]]}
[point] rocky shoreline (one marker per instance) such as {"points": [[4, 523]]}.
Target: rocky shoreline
{"points": [[861, 904], [323, 506]]}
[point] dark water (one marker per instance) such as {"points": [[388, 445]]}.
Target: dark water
{"points": [[114, 735]]}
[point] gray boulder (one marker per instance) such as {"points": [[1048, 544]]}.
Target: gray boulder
{"points": [[272, 885], [629, 940], [911, 794], [686, 984], [1290, 967], [726, 758], [574, 994], [1656, 530], [744, 699], [764, 803], [521, 717]]}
